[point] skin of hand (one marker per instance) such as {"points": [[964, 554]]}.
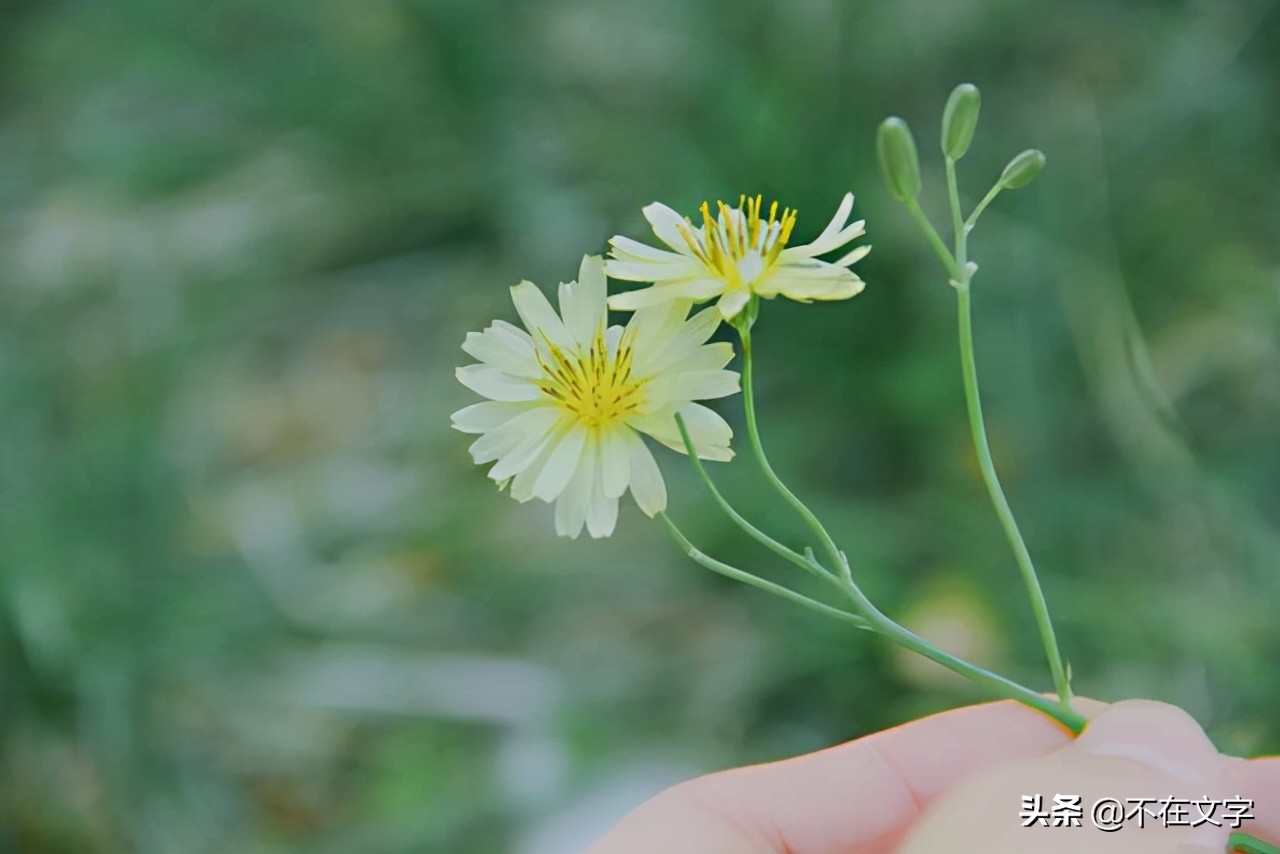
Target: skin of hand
{"points": [[953, 783]]}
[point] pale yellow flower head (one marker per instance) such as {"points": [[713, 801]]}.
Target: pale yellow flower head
{"points": [[736, 253], [569, 398]]}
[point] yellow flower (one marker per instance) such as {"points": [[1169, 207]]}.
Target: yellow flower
{"points": [[569, 398], [735, 253]]}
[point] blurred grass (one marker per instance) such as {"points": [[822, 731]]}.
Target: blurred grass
{"points": [[254, 596]]}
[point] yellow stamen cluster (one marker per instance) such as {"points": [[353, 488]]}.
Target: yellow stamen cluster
{"points": [[595, 387], [739, 231]]}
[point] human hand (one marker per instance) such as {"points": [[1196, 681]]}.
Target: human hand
{"points": [[953, 783]]}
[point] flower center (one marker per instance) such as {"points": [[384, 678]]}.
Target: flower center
{"points": [[740, 245], [595, 387]]}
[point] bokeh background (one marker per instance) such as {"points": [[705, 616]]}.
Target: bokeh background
{"points": [[255, 598]]}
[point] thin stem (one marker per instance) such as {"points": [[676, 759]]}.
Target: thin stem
{"points": [[1064, 714], [871, 618], [753, 433], [977, 427], [754, 580], [1247, 843], [931, 234], [982, 206], [957, 223], [807, 564]]}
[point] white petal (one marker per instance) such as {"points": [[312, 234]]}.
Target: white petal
{"points": [[571, 506], [602, 512], [652, 328], [854, 256], [654, 271], [693, 289], [667, 224], [521, 488], [517, 444], [633, 250], [538, 316], [561, 465], [647, 486], [680, 387], [732, 303], [485, 416], [835, 235], [504, 352], [496, 385], [615, 467], [709, 432], [582, 302], [510, 330], [679, 341], [841, 285]]}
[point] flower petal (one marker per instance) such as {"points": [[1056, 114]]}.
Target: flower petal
{"points": [[840, 284], [496, 385], [521, 488], [654, 271], [647, 486], [615, 466], [538, 316], [504, 352], [835, 235], [709, 432], [485, 416], [853, 257], [582, 303], [633, 250], [561, 464], [681, 349], [692, 289], [673, 387], [602, 512], [516, 444], [571, 506], [732, 303], [668, 225]]}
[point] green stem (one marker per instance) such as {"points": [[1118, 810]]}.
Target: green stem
{"points": [[982, 206], [931, 234], [1246, 843], [999, 685], [807, 564], [957, 223], [745, 577], [753, 433], [871, 618], [977, 427]]}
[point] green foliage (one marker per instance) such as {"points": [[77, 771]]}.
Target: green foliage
{"points": [[254, 597]]}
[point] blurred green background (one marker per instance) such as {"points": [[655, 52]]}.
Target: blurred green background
{"points": [[254, 596]]}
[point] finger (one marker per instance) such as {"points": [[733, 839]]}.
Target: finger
{"points": [[1259, 780], [1155, 734], [862, 795]]}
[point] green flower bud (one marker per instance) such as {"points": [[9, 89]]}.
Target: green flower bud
{"points": [[959, 119], [898, 158], [1022, 170]]}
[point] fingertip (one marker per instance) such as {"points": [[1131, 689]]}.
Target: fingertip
{"points": [[1158, 735]]}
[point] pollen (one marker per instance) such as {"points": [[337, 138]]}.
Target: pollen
{"points": [[739, 244], [595, 386]]}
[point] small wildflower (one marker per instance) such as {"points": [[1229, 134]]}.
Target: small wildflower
{"points": [[569, 398], [735, 253]]}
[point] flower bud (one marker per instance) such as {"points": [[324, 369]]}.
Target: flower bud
{"points": [[959, 119], [1022, 170], [898, 158]]}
